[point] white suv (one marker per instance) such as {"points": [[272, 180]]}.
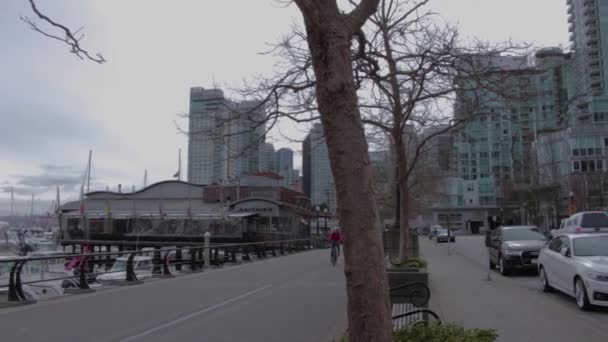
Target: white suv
{"points": [[585, 222], [577, 264]]}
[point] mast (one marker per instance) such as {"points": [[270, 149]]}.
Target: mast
{"points": [[32, 207], [12, 204], [179, 170], [89, 171], [57, 201], [145, 178]]}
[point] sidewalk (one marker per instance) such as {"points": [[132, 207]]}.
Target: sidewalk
{"points": [[461, 293]]}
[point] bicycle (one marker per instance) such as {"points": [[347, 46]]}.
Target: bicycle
{"points": [[334, 255]]}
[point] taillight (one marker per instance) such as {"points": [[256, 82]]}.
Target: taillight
{"points": [[579, 230]]}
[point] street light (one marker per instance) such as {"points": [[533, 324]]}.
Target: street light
{"points": [[325, 215], [318, 210], [571, 208]]}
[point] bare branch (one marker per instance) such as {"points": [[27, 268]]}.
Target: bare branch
{"points": [[72, 39]]}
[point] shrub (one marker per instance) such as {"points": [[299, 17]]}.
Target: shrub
{"points": [[415, 262], [444, 333]]}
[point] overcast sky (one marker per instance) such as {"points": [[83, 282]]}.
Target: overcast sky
{"points": [[55, 107]]}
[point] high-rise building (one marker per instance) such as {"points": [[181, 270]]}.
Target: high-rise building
{"points": [[268, 160], [225, 137], [493, 160], [284, 165], [306, 171], [322, 188], [588, 26]]}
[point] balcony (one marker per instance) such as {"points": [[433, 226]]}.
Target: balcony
{"points": [[589, 11], [571, 18], [570, 7], [596, 83], [589, 3], [591, 32], [591, 22], [571, 28]]}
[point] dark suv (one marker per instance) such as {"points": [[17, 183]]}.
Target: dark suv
{"points": [[514, 247]]}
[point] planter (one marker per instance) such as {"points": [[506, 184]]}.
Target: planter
{"points": [[402, 276]]}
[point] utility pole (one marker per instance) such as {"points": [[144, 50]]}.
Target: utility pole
{"points": [[145, 178], [12, 204], [89, 171], [32, 208]]}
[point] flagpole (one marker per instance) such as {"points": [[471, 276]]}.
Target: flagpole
{"points": [[179, 170]]}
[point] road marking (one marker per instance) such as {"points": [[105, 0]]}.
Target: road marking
{"points": [[194, 314]]}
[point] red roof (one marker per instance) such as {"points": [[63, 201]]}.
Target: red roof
{"points": [[267, 175]]}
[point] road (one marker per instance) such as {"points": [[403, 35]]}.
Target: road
{"points": [[514, 306], [300, 297]]}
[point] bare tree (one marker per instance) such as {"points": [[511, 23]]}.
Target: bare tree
{"points": [[412, 69], [70, 37]]}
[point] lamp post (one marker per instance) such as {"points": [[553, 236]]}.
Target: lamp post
{"points": [[325, 216], [318, 211], [572, 207]]}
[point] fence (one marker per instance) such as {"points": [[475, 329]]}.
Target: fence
{"points": [[162, 260]]}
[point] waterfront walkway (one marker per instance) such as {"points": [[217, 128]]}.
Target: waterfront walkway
{"points": [[299, 297]]}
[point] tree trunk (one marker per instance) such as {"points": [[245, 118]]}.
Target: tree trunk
{"points": [[405, 249], [369, 311]]}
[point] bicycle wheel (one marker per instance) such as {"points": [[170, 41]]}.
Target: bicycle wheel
{"points": [[334, 256]]}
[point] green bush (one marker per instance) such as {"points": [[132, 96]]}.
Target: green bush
{"points": [[444, 333], [414, 262]]}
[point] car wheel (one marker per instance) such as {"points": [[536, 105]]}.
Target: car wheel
{"points": [[504, 270], [580, 292], [544, 282], [492, 265]]}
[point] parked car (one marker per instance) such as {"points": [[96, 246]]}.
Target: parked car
{"points": [[585, 222], [577, 264], [433, 231], [142, 266], [444, 235], [515, 247]]}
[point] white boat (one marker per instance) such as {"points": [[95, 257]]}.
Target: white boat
{"points": [[142, 266]]}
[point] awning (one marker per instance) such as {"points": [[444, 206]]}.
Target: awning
{"points": [[241, 215]]}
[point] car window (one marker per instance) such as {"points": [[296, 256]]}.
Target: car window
{"points": [[521, 234], [591, 246], [556, 245], [565, 242], [595, 220]]}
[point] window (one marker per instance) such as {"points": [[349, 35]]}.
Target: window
{"points": [[606, 142], [598, 151], [594, 220], [495, 155], [591, 246], [591, 166], [583, 152], [470, 187], [590, 151], [483, 154], [584, 166], [521, 234], [575, 152], [576, 166], [599, 165]]}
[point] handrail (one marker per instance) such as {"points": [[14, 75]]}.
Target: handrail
{"points": [[418, 311], [15, 293], [426, 295]]}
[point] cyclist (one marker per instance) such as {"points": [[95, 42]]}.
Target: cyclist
{"points": [[335, 237]]}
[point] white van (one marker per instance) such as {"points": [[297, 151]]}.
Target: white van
{"points": [[585, 222]]}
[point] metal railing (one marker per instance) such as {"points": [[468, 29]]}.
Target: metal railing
{"points": [[416, 310], [163, 259]]}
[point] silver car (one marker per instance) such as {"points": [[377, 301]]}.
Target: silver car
{"points": [[515, 247], [577, 264]]}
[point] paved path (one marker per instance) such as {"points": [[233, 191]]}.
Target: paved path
{"points": [[513, 305], [299, 297]]}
